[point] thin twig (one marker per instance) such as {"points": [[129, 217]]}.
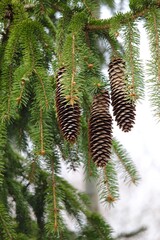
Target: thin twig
{"points": [[131, 60], [41, 132], [54, 199], [157, 52], [73, 70], [42, 84], [110, 198]]}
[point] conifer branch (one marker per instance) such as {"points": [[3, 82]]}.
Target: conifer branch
{"points": [[89, 166], [43, 87], [134, 74], [108, 184], [54, 199], [31, 175], [21, 92], [100, 233], [96, 228], [126, 164], [72, 98], [7, 233], [157, 52], [113, 43], [123, 19], [131, 60], [42, 151], [88, 9], [152, 26], [6, 225], [110, 198], [9, 92], [60, 7], [3, 140]]}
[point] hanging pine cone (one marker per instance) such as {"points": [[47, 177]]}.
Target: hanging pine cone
{"points": [[100, 129], [123, 107], [68, 115]]}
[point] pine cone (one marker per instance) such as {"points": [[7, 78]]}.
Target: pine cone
{"points": [[123, 107], [100, 129], [68, 115]]}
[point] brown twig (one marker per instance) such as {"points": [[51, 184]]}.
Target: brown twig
{"points": [[43, 87], [42, 151], [110, 197], [157, 52], [54, 199]]}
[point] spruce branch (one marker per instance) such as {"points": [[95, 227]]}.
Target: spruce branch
{"points": [[96, 228], [108, 184], [134, 81], [125, 164], [60, 7], [152, 26], [3, 143], [121, 19], [111, 188], [72, 100], [54, 198], [6, 225], [157, 43], [43, 94], [21, 93], [109, 196], [42, 150], [32, 168], [131, 59], [88, 8]]}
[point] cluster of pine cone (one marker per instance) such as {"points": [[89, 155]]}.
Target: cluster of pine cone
{"points": [[100, 122]]}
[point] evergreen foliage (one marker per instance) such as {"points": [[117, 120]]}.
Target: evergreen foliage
{"points": [[37, 38]]}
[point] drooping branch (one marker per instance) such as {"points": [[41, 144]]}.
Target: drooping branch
{"points": [[122, 19], [43, 87], [54, 199], [42, 151], [157, 44], [73, 71]]}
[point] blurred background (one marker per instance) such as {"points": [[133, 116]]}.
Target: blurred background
{"points": [[136, 215]]}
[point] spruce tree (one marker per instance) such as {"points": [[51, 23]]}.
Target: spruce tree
{"points": [[55, 106]]}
